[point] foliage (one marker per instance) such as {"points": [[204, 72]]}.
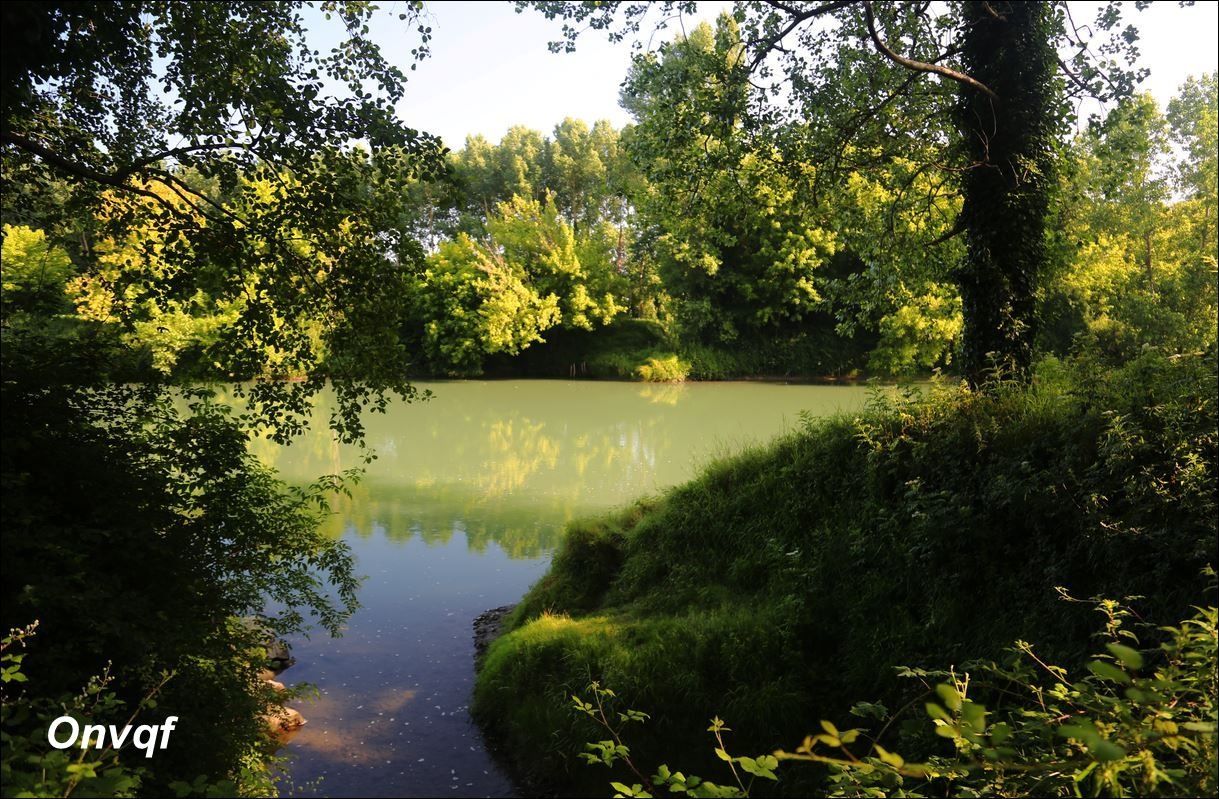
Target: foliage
{"points": [[477, 304], [34, 272], [478, 299], [739, 246], [28, 768], [1140, 722], [1128, 727], [107, 485], [244, 183], [846, 85], [759, 576], [532, 235], [918, 334], [670, 369], [612, 751], [236, 223], [1134, 269]]}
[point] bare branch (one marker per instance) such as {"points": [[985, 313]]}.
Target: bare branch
{"points": [[921, 66]]}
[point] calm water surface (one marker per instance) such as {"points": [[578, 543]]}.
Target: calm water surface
{"points": [[460, 513]]}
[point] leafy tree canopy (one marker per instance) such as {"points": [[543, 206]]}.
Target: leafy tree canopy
{"points": [[260, 182]]}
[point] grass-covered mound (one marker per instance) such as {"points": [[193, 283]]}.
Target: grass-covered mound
{"points": [[785, 584]]}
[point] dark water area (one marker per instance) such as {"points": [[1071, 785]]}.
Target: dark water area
{"points": [[461, 512]]}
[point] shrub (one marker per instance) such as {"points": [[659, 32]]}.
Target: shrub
{"points": [[1140, 722], [665, 369]]}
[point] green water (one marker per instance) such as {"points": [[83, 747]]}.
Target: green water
{"points": [[459, 513]]}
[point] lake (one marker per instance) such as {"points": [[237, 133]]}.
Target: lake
{"points": [[460, 513]]}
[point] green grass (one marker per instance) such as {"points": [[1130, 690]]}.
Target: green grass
{"points": [[785, 584]]}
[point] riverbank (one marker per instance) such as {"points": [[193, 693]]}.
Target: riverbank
{"points": [[785, 584], [461, 512]]}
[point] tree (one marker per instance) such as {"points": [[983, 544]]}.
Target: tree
{"points": [[472, 303], [740, 245], [528, 273], [35, 272], [973, 87], [1194, 117], [1134, 264], [254, 168], [171, 161]]}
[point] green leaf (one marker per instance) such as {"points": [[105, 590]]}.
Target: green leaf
{"points": [[1131, 658], [1106, 751], [1199, 726], [1107, 671], [937, 712], [950, 695], [891, 758], [975, 715]]}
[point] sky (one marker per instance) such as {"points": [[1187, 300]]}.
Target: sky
{"points": [[490, 67]]}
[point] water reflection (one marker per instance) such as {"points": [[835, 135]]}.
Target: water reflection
{"points": [[459, 513], [509, 462]]}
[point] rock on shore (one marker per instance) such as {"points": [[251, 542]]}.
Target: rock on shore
{"points": [[487, 627]]}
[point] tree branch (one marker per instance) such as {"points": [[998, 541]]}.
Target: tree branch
{"points": [[149, 160], [958, 227], [921, 66], [118, 180], [797, 17]]}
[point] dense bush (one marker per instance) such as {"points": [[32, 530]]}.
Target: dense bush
{"points": [[110, 489], [1138, 721], [786, 582]]}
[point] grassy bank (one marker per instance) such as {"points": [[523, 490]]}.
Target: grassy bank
{"points": [[784, 585]]}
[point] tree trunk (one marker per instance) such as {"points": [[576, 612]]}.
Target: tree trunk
{"points": [[1009, 143]]}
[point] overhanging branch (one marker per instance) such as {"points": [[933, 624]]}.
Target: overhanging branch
{"points": [[117, 180], [920, 66]]}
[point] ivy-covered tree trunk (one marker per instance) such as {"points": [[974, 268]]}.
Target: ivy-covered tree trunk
{"points": [[1009, 143]]}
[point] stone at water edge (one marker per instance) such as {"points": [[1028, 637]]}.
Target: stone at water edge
{"points": [[285, 719], [279, 656], [487, 627]]}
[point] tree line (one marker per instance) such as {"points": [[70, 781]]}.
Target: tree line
{"points": [[691, 222]]}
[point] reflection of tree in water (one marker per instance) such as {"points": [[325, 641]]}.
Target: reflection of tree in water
{"points": [[664, 393], [491, 473], [516, 449], [524, 527], [511, 463]]}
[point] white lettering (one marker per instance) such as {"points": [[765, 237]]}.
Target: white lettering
{"points": [[149, 743], [116, 739], [168, 726], [90, 731], [55, 724], [143, 737]]}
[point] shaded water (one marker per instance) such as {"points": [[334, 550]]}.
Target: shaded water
{"points": [[460, 513]]}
